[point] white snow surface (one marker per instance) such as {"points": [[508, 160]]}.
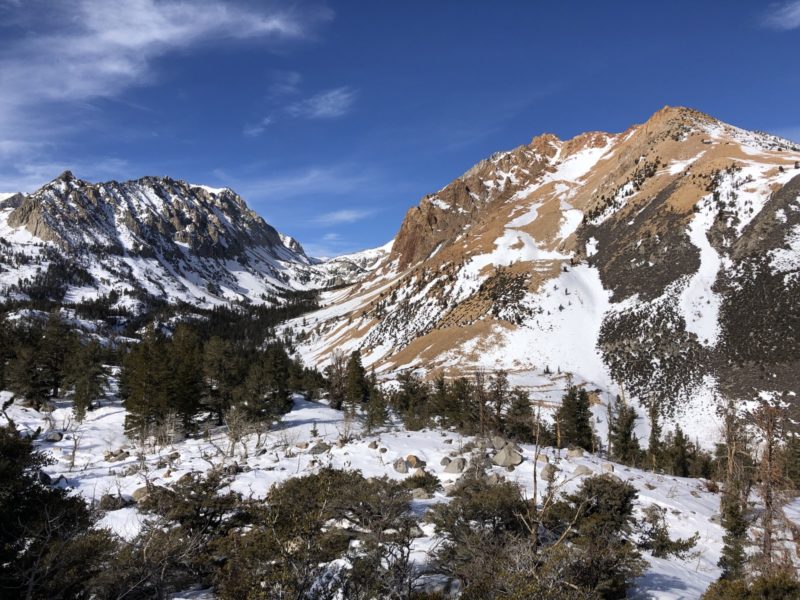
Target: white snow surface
{"points": [[690, 506]]}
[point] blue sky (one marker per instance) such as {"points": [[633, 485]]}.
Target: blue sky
{"points": [[333, 119]]}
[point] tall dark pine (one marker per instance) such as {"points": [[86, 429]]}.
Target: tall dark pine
{"points": [[574, 419], [623, 441], [356, 385]]}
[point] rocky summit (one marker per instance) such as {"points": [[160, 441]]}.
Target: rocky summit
{"points": [[661, 262]]}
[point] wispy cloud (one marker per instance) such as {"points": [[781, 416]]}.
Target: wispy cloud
{"points": [[343, 216], [325, 105], [328, 180], [82, 50], [783, 16], [258, 128], [285, 83]]}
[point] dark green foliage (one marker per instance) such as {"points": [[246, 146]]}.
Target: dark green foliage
{"points": [[285, 548], [622, 439], [782, 586], [356, 386], [655, 535], [265, 392], [573, 420], [46, 547], [86, 375]]}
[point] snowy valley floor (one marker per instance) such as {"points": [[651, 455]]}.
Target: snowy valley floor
{"points": [[690, 507]]}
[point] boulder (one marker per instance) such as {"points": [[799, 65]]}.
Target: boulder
{"points": [[400, 465], [445, 461], [420, 494], [494, 478], [140, 494], [498, 443], [319, 448], [607, 468], [112, 502], [582, 470], [302, 445], [415, 461], [456, 466], [53, 436], [543, 458], [575, 453], [373, 445], [507, 457], [382, 450], [549, 472]]}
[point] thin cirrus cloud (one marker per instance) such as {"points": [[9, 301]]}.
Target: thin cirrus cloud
{"points": [[325, 105], [329, 104], [343, 216], [82, 50], [784, 16]]}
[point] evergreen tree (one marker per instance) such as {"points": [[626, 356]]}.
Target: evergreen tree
{"points": [[144, 382], [84, 371], [623, 441], [26, 376], [677, 453], [265, 392], [186, 381], [654, 443], [574, 419], [57, 341], [335, 374], [356, 388], [222, 374], [377, 409]]}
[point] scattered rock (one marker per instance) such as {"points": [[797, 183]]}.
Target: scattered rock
{"points": [[112, 502], [549, 472], [575, 453], [340, 443], [53, 436], [507, 457], [510, 468], [319, 448], [302, 445], [543, 458], [498, 443], [174, 455], [420, 494], [445, 461], [373, 445], [400, 465], [582, 470], [416, 531], [382, 450], [415, 461], [456, 466], [607, 468], [448, 441], [494, 478], [140, 494], [43, 477]]}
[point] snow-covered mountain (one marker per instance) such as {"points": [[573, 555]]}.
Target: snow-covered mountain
{"points": [[153, 237], [663, 261]]}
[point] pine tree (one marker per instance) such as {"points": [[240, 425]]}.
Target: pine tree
{"points": [[377, 409], [144, 382], [57, 340], [335, 374], [678, 453], [654, 443], [574, 419], [734, 497], [186, 382], [221, 371], [356, 388], [624, 444], [85, 372]]}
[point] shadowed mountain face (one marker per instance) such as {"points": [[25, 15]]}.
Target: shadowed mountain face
{"points": [[154, 237], [664, 258]]}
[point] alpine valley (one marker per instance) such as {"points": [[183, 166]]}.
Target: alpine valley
{"points": [[428, 419]]}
